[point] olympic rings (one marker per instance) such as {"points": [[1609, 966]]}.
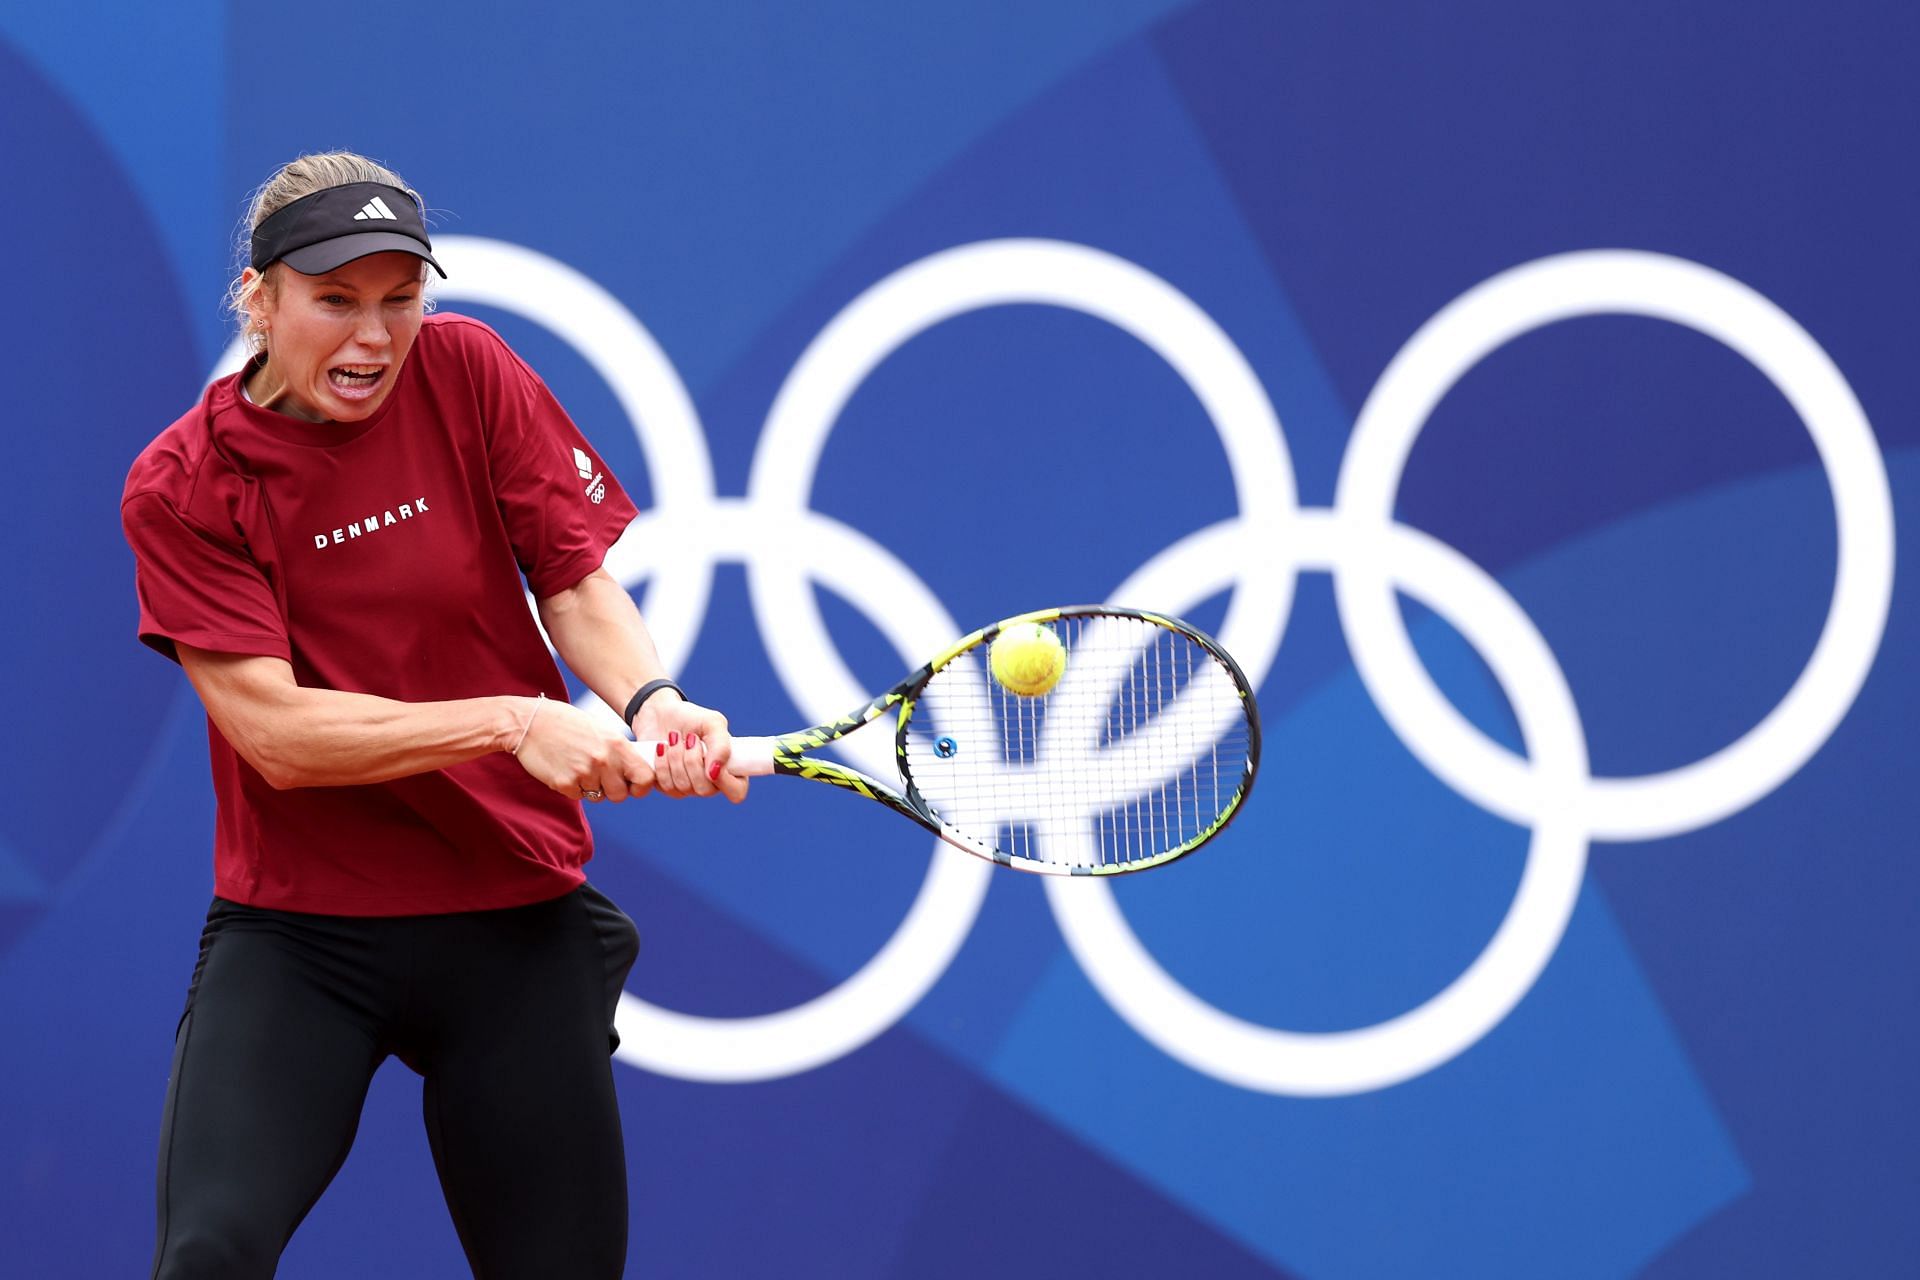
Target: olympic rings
{"points": [[1369, 555]]}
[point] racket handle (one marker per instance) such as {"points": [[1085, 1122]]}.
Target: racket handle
{"points": [[751, 758]]}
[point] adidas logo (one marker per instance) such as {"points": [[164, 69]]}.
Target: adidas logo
{"points": [[375, 208]]}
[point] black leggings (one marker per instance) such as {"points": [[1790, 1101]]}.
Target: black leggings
{"points": [[507, 1015]]}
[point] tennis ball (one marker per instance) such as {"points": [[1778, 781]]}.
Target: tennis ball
{"points": [[1027, 659]]}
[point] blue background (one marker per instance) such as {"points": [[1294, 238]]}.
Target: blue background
{"points": [[1712, 1077]]}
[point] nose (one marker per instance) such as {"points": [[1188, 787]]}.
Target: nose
{"points": [[371, 328]]}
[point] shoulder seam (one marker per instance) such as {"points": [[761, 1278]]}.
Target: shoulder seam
{"points": [[174, 509]]}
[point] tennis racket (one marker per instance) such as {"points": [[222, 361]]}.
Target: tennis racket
{"points": [[1142, 750]]}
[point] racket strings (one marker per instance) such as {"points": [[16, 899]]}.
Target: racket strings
{"points": [[1139, 750]]}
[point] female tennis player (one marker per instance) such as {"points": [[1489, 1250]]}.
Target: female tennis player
{"points": [[335, 543]]}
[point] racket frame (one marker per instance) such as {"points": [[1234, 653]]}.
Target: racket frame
{"points": [[788, 753]]}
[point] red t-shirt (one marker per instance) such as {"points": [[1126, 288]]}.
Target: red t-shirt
{"points": [[382, 557]]}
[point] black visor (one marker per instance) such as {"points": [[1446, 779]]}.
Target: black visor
{"points": [[317, 233]]}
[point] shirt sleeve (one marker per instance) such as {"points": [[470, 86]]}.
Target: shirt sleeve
{"points": [[562, 505], [196, 590]]}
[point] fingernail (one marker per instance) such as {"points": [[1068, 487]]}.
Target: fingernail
{"points": [[692, 742], [659, 748], [713, 772], [673, 738]]}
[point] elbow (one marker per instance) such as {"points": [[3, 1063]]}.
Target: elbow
{"points": [[281, 778], [280, 769], [281, 775], [262, 715]]}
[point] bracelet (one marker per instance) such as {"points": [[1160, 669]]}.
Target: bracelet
{"points": [[647, 690], [522, 739]]}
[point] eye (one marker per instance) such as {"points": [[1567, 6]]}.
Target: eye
{"points": [[334, 299]]}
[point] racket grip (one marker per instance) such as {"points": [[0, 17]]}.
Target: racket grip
{"points": [[751, 758]]}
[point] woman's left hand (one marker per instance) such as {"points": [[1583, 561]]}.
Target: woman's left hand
{"points": [[693, 759]]}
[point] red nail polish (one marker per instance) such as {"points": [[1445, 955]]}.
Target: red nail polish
{"points": [[673, 738], [659, 748], [713, 772]]}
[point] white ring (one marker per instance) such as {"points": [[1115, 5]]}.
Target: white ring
{"points": [[781, 539], [834, 1024], [1304, 1064], [1000, 273], [1685, 293]]}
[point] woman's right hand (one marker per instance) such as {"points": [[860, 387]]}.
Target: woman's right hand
{"points": [[572, 753]]}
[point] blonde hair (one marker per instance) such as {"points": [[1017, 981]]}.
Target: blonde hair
{"points": [[297, 178]]}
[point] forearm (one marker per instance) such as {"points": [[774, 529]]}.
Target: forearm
{"points": [[325, 738], [301, 737], [599, 634]]}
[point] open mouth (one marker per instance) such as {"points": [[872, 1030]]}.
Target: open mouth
{"points": [[355, 380]]}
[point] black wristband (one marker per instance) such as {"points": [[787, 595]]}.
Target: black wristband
{"points": [[647, 690]]}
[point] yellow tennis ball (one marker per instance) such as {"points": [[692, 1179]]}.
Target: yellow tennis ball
{"points": [[1027, 659]]}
